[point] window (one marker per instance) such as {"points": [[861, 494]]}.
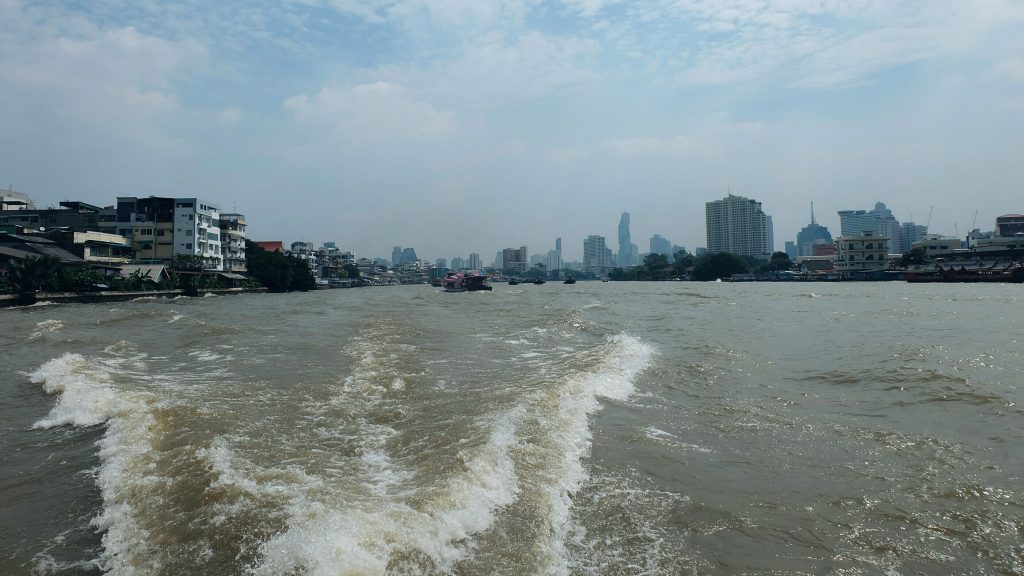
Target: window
{"points": [[188, 232], [188, 246]]}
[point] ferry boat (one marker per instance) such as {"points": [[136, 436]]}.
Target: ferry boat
{"points": [[462, 282]]}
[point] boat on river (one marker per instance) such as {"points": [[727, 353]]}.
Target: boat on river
{"points": [[569, 280], [462, 282]]}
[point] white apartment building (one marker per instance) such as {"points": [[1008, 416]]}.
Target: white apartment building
{"points": [[597, 258], [232, 242], [738, 225], [514, 260], [197, 231], [863, 253]]}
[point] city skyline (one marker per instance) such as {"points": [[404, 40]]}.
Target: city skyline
{"points": [[477, 126]]}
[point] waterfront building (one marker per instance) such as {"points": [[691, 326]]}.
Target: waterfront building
{"points": [[396, 256], [628, 253], [232, 242], [738, 225], [11, 200], [861, 254], [78, 216], [661, 245], [270, 245], [938, 246], [92, 246], [197, 231], [149, 224], [306, 252], [1009, 225], [475, 263], [514, 260], [597, 258]]}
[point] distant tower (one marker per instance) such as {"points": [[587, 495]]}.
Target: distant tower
{"points": [[627, 250], [812, 235], [396, 256], [558, 246]]}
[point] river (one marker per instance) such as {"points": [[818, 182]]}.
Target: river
{"points": [[598, 428]]}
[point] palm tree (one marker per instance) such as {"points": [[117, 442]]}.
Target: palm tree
{"points": [[32, 274]]}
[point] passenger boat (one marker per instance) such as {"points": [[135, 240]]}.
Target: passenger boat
{"points": [[462, 282], [569, 280]]}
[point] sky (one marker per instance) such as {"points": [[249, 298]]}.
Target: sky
{"points": [[460, 126]]}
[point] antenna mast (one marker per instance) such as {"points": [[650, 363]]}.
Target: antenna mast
{"points": [[929, 224]]}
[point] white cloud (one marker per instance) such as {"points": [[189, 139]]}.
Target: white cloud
{"points": [[371, 112], [229, 116]]}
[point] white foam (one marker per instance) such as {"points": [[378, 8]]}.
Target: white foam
{"points": [[46, 327], [569, 436], [364, 536], [175, 318], [87, 397]]}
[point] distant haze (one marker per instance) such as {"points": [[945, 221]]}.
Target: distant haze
{"points": [[465, 126]]}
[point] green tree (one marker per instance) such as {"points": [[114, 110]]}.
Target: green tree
{"points": [[657, 267], [302, 277], [718, 265], [352, 271], [276, 271], [32, 274], [915, 257], [681, 261], [779, 262]]}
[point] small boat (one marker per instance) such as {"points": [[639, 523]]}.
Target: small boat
{"points": [[569, 281], [513, 281], [538, 281], [462, 282]]}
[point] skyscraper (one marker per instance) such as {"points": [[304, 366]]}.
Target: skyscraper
{"points": [[474, 261], [558, 246], [627, 250], [396, 256], [810, 236], [514, 260], [879, 221], [597, 258], [738, 225], [661, 245]]}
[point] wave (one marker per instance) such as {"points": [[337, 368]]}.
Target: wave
{"points": [[381, 536], [569, 434], [45, 327], [87, 395]]}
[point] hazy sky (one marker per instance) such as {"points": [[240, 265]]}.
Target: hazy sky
{"points": [[458, 126]]}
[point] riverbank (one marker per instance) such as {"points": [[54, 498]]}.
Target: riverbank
{"points": [[9, 300]]}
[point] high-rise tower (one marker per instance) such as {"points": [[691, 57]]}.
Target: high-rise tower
{"points": [[738, 225]]}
